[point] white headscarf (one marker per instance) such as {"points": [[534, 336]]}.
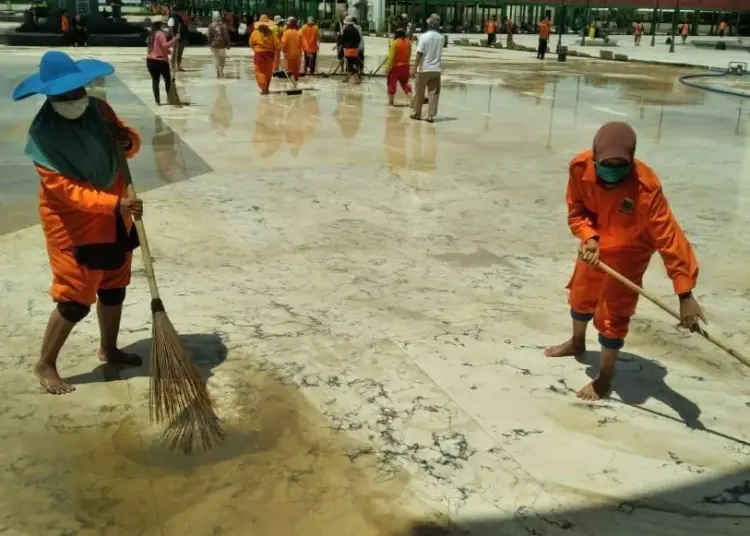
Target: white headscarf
{"points": [[216, 16]]}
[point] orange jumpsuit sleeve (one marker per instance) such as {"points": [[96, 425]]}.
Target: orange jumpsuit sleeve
{"points": [[77, 194], [580, 219], [109, 114], [672, 244]]}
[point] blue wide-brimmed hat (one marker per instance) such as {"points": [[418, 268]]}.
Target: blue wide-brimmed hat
{"points": [[58, 74]]}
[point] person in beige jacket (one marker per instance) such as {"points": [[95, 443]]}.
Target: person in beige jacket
{"points": [[218, 39]]}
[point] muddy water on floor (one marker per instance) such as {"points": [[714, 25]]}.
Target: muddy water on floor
{"points": [[282, 471]]}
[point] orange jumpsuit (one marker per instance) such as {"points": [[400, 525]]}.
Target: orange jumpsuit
{"points": [[74, 213], [264, 49], [310, 46], [278, 33], [631, 221], [291, 45]]}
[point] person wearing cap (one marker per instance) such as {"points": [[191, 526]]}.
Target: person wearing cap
{"points": [[74, 142], [264, 44], [310, 45], [291, 45], [278, 31], [220, 41], [428, 67], [350, 41], [618, 211]]}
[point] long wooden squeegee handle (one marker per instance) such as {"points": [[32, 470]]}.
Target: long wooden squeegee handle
{"points": [[139, 228], [658, 302]]}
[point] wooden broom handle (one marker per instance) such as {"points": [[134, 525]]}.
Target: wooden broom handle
{"points": [[660, 303], [139, 227]]}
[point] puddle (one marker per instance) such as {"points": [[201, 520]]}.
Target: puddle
{"points": [[282, 471]]}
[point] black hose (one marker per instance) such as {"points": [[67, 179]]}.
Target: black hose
{"points": [[688, 80]]}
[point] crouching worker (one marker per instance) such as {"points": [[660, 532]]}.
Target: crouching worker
{"points": [[617, 209], [85, 212]]}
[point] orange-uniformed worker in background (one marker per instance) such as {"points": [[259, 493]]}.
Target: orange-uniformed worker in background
{"points": [[310, 45], [490, 28], [291, 46], [617, 208], [265, 45], [545, 28]]}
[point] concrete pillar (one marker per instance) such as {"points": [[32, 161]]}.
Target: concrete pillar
{"points": [[84, 7], [352, 9], [376, 8]]}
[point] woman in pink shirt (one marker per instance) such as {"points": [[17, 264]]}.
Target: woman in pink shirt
{"points": [[158, 58]]}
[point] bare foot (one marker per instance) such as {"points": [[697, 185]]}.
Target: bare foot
{"points": [[118, 357], [569, 348], [51, 380], [597, 389]]}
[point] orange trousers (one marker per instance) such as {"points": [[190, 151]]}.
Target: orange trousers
{"points": [[263, 64], [593, 294], [276, 61], [293, 65], [72, 282]]}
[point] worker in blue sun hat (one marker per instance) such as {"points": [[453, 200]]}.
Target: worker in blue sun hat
{"points": [[87, 217]]}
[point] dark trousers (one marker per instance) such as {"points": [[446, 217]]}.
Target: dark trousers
{"points": [[353, 65], [491, 39], [311, 60], [79, 37], [542, 50], [159, 69], [179, 50]]}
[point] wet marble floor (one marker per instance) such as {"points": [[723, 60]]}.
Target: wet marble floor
{"points": [[369, 298]]}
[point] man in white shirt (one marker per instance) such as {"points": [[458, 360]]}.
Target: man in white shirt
{"points": [[427, 69]]}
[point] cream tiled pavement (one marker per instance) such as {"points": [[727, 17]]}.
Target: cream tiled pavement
{"points": [[371, 298]]}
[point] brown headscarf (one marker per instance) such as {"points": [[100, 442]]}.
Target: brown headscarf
{"points": [[614, 140]]}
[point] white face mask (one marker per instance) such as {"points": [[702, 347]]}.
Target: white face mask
{"points": [[71, 109]]}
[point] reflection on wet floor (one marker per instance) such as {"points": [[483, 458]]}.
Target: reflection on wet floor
{"points": [[482, 96]]}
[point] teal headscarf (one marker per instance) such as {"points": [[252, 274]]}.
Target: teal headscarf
{"points": [[81, 149]]}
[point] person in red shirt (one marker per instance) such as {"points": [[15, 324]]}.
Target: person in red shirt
{"points": [[545, 28], [637, 32], [397, 66], [684, 32], [618, 211], [509, 29]]}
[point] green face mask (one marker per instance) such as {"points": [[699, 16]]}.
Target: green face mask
{"points": [[612, 174]]}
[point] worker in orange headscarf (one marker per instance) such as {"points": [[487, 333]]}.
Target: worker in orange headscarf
{"points": [[291, 45], [85, 211], [310, 45], [265, 45], [617, 209]]}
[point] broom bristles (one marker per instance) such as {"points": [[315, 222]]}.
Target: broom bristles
{"points": [[178, 396]]}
